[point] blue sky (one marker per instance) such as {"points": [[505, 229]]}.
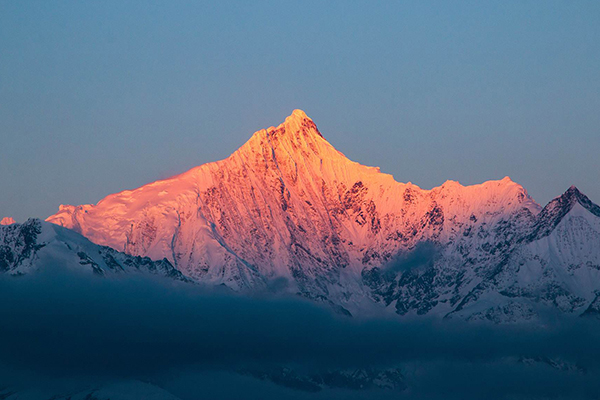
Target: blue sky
{"points": [[98, 97]]}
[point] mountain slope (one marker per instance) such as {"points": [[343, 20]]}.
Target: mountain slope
{"points": [[557, 265], [288, 207], [27, 247]]}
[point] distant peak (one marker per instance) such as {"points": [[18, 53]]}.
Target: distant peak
{"points": [[7, 221], [573, 193], [572, 196], [451, 183], [558, 208]]}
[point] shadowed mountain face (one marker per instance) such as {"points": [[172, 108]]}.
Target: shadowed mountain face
{"points": [[288, 212], [35, 245]]}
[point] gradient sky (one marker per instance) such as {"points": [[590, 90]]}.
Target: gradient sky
{"points": [[98, 97]]}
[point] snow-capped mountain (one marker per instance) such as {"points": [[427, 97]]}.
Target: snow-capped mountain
{"points": [[557, 264], [7, 221], [350, 379], [288, 205], [551, 262], [28, 247]]}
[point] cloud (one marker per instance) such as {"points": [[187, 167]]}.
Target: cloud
{"points": [[422, 256], [57, 324]]}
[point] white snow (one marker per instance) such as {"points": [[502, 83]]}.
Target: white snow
{"points": [[7, 221], [288, 205]]}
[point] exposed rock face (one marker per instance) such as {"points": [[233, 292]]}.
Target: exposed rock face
{"points": [[288, 205]]}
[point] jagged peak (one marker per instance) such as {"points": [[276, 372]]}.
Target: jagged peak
{"points": [[573, 192], [573, 195], [296, 122], [569, 197], [558, 208], [295, 132]]}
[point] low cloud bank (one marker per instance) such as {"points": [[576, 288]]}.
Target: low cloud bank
{"points": [[57, 325]]}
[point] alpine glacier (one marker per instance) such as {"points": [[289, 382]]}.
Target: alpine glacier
{"points": [[289, 211]]}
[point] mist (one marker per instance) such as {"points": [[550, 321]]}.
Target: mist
{"points": [[66, 330]]}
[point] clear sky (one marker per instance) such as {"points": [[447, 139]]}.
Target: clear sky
{"points": [[98, 97]]}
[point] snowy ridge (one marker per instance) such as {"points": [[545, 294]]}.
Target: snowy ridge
{"points": [[288, 205], [557, 265], [7, 221], [27, 247]]}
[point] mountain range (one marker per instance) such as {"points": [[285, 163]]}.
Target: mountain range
{"points": [[37, 245], [289, 213]]}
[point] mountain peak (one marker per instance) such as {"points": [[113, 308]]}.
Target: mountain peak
{"points": [[573, 191], [7, 221], [297, 133], [573, 195], [298, 114], [297, 122], [558, 208]]}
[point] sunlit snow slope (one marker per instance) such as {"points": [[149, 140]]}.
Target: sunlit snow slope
{"points": [[289, 205]]}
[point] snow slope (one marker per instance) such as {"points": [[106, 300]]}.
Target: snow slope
{"points": [[557, 265], [27, 247], [288, 207]]}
